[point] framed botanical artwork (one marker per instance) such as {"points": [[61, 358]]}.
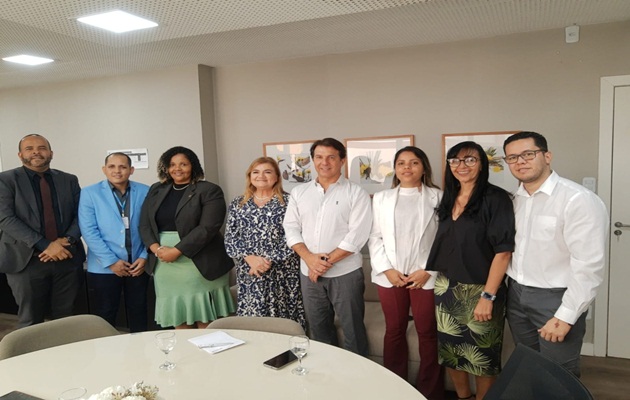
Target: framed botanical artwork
{"points": [[492, 143], [370, 161], [294, 160]]}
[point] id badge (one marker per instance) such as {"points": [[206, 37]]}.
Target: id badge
{"points": [[126, 222]]}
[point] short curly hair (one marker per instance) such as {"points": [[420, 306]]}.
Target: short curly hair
{"points": [[165, 161]]}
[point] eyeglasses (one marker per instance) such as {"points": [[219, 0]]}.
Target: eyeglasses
{"points": [[469, 161], [526, 156]]}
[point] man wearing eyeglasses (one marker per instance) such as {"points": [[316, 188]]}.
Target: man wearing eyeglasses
{"points": [[558, 260]]}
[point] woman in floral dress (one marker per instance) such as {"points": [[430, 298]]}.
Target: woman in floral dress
{"points": [[267, 270]]}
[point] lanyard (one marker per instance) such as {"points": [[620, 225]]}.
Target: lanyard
{"points": [[121, 204]]}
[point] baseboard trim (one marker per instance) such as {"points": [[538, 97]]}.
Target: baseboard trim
{"points": [[588, 349]]}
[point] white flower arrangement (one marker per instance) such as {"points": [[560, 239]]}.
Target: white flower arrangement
{"points": [[138, 391]]}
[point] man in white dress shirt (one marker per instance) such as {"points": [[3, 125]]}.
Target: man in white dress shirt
{"points": [[327, 223], [558, 260]]}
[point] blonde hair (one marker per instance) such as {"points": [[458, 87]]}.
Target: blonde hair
{"points": [[250, 189]]}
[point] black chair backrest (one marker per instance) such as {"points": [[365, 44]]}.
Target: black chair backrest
{"points": [[531, 375]]}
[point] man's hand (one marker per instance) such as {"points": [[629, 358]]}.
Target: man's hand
{"points": [[120, 268], [137, 268], [168, 254], [257, 265], [555, 330], [56, 251], [317, 264]]}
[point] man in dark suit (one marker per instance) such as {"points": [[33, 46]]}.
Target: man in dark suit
{"points": [[40, 249]]}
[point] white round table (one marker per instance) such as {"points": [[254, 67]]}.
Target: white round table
{"points": [[237, 373]]}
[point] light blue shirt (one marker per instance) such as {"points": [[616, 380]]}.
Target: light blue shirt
{"points": [[102, 226]]}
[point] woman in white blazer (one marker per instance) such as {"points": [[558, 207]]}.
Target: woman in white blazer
{"points": [[404, 226]]}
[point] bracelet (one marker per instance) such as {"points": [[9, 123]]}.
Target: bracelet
{"points": [[158, 249], [488, 296]]}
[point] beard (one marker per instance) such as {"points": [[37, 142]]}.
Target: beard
{"points": [[37, 161]]}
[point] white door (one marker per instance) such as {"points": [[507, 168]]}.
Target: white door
{"points": [[619, 276]]}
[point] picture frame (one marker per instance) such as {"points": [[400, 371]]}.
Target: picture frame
{"points": [[294, 161], [492, 143], [370, 160]]}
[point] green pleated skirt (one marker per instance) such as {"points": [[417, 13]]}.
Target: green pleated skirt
{"points": [[183, 295]]}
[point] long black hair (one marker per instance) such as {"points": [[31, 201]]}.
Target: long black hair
{"points": [[165, 161], [452, 185]]}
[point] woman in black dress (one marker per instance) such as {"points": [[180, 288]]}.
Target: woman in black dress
{"points": [[472, 249]]}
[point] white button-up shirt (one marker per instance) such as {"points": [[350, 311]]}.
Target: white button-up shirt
{"points": [[560, 242], [340, 217]]}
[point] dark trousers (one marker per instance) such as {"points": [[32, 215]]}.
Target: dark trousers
{"points": [[529, 309], [107, 289], [45, 288], [343, 296], [396, 302]]}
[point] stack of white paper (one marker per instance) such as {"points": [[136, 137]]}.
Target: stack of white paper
{"points": [[216, 342]]}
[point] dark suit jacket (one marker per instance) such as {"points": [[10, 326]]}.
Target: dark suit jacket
{"points": [[199, 217], [20, 224]]}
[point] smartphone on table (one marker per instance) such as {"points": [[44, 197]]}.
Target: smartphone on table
{"points": [[281, 360]]}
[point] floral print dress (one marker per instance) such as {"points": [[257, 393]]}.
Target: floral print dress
{"points": [[253, 230]]}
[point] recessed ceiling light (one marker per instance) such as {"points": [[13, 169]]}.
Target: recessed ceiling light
{"points": [[28, 60], [117, 21]]}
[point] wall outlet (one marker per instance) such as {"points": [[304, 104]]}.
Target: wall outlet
{"points": [[590, 183]]}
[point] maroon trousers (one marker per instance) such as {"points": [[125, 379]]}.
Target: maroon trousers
{"points": [[396, 302]]}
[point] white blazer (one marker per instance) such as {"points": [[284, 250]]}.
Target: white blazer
{"points": [[382, 242]]}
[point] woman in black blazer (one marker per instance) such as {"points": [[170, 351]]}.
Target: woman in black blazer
{"points": [[180, 223]]}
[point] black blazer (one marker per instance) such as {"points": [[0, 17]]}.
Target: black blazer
{"points": [[20, 223], [199, 217]]}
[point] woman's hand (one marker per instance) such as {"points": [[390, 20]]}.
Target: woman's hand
{"points": [[396, 278], [483, 311], [257, 265], [168, 254], [417, 279]]}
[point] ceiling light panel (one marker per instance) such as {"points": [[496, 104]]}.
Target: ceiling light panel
{"points": [[28, 60], [117, 21]]}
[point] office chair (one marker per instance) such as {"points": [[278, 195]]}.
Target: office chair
{"points": [[531, 375], [261, 324], [54, 333]]}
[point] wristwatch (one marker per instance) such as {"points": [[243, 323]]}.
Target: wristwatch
{"points": [[488, 296], [71, 240]]}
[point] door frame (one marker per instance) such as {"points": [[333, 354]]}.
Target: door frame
{"points": [[604, 176]]}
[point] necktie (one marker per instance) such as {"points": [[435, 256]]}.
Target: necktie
{"points": [[50, 225]]}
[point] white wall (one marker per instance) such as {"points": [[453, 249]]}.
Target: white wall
{"points": [[532, 81], [84, 119]]}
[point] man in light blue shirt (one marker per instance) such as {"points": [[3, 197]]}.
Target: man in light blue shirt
{"points": [[327, 223], [109, 215]]}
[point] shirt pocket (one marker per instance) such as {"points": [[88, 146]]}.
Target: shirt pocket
{"points": [[544, 227]]}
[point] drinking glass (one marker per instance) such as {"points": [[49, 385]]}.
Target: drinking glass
{"points": [[299, 346], [73, 394], [166, 342]]}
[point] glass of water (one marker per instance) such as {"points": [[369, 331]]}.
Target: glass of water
{"points": [[299, 346], [166, 342]]}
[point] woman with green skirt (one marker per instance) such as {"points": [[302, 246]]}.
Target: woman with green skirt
{"points": [[180, 222]]}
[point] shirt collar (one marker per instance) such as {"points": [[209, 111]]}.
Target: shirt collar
{"points": [[547, 186], [31, 174], [118, 191], [341, 181]]}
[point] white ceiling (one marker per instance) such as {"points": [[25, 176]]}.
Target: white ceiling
{"points": [[224, 32]]}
